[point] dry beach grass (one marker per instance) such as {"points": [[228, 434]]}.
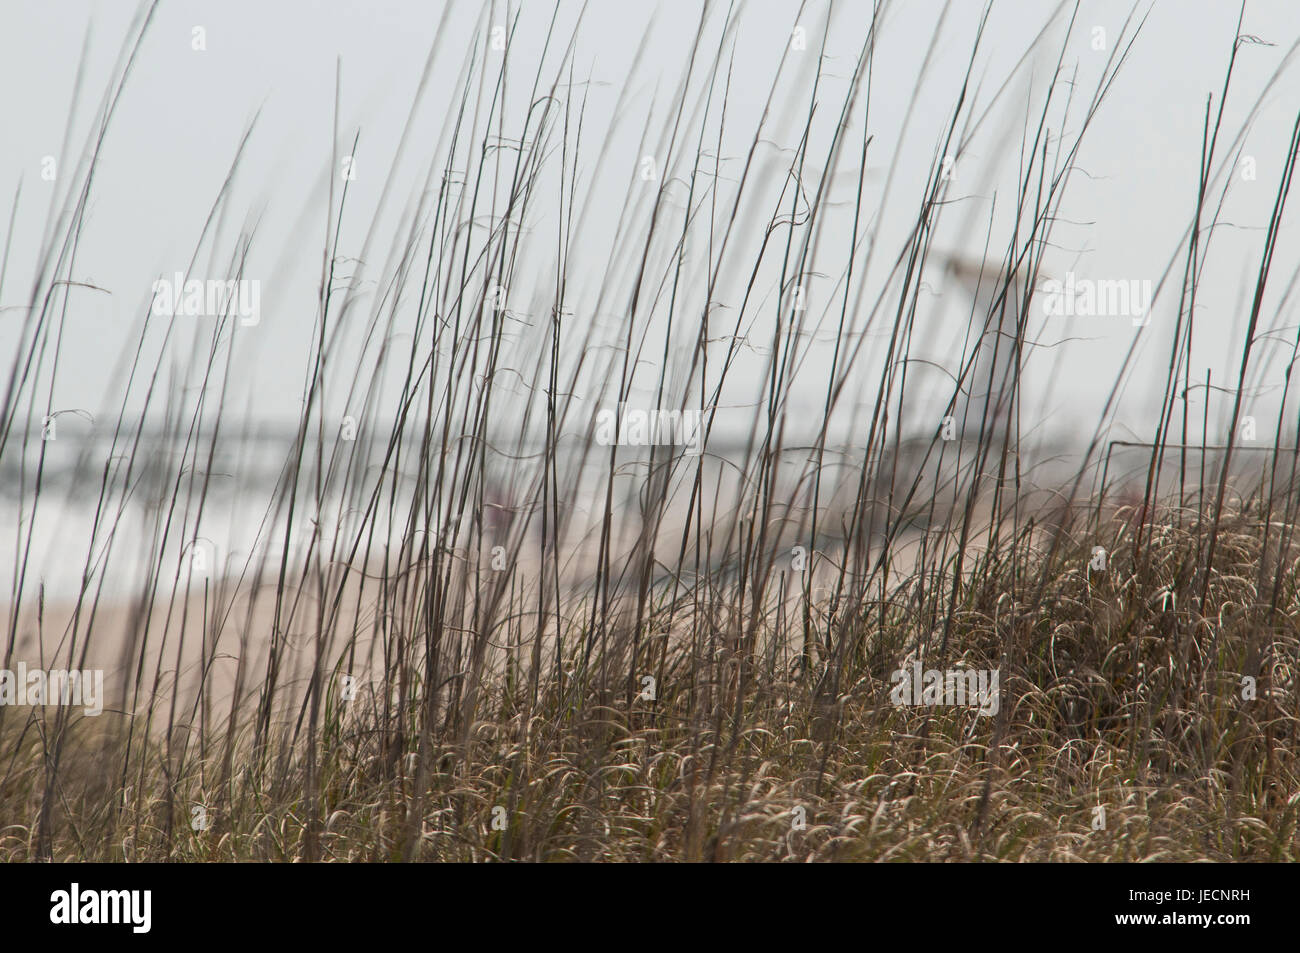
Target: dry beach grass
{"points": [[479, 633]]}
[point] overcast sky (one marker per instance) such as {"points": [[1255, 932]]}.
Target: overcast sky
{"points": [[183, 111]]}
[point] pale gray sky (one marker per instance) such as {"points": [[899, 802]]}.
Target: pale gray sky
{"points": [[183, 111]]}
